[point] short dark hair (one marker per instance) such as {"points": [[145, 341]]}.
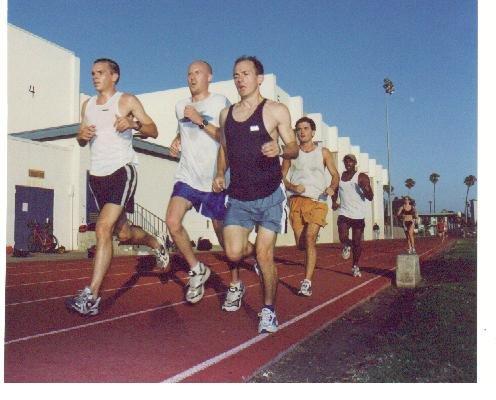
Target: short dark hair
{"points": [[309, 120], [258, 65], [114, 67]]}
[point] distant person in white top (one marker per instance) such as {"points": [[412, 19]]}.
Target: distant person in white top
{"points": [[197, 140], [308, 194], [354, 191], [107, 123]]}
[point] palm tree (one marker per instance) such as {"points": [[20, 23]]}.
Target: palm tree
{"points": [[409, 183], [434, 177], [469, 181]]}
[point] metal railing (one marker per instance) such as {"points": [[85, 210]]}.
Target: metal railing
{"points": [[147, 220]]}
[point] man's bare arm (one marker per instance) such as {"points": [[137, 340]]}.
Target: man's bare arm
{"points": [[175, 146], [286, 133], [135, 117], [364, 183], [219, 182], [331, 167], [295, 188], [195, 117], [86, 132]]}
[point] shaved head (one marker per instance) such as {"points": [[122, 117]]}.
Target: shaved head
{"points": [[202, 62]]}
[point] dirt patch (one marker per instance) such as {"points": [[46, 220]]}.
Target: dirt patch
{"points": [[426, 334]]}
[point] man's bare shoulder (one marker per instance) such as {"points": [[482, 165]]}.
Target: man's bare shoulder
{"points": [[128, 97], [277, 111], [363, 177], [275, 106], [326, 152]]}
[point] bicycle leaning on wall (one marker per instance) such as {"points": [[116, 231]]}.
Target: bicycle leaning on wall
{"points": [[41, 238]]}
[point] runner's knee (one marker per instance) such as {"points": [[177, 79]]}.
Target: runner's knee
{"points": [[174, 224]]}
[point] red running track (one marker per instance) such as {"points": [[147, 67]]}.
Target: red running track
{"points": [[146, 332]]}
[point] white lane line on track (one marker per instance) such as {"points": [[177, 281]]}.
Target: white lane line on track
{"points": [[76, 279], [149, 310], [117, 263], [50, 272], [58, 331], [122, 287], [59, 280], [222, 356], [145, 284], [214, 360]]}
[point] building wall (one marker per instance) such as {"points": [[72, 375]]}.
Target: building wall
{"points": [[53, 72], [57, 102], [23, 155]]}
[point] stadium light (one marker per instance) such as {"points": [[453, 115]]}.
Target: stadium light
{"points": [[389, 88]]}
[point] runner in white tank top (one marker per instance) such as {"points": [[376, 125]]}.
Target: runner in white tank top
{"points": [[198, 141], [103, 116], [354, 191], [306, 181], [352, 199], [107, 123]]}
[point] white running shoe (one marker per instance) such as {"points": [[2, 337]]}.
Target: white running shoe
{"points": [[84, 302], [197, 278], [306, 288], [346, 252], [356, 271], [268, 321], [161, 254], [234, 296]]}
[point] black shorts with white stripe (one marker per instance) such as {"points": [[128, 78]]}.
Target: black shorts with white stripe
{"points": [[116, 188]]}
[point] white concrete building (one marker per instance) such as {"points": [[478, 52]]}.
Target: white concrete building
{"points": [[43, 82], [47, 169]]}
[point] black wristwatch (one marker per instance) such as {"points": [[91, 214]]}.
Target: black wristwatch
{"points": [[203, 124]]}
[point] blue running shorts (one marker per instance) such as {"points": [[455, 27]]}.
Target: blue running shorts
{"points": [[208, 204], [269, 212]]}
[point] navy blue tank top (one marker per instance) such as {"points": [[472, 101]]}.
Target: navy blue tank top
{"points": [[253, 175]]}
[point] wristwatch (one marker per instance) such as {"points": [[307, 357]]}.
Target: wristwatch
{"points": [[203, 124]]}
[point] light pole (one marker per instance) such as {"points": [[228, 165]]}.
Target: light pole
{"points": [[389, 88]]}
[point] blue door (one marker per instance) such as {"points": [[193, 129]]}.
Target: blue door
{"points": [[31, 203]]}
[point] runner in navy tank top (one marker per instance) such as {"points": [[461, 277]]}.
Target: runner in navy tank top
{"points": [[250, 130], [253, 175]]}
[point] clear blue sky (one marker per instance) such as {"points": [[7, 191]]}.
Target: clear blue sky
{"points": [[334, 53]]}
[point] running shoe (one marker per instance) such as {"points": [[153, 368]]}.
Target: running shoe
{"points": [[161, 254], [197, 278], [356, 271], [268, 321], [346, 252], [84, 302], [234, 296], [414, 251], [306, 288]]}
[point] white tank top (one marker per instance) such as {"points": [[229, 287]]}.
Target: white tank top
{"points": [[351, 198], [198, 162], [309, 170], [110, 149]]}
